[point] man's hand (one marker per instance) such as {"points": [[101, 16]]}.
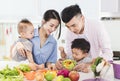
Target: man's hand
{"points": [[59, 65]]}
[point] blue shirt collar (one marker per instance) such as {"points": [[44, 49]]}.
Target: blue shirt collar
{"points": [[50, 38], [36, 33]]}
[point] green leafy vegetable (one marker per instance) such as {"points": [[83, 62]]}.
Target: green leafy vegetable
{"points": [[8, 74], [94, 65], [98, 60], [24, 68]]}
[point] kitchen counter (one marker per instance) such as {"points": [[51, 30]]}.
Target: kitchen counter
{"points": [[109, 76]]}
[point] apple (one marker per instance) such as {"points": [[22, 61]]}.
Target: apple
{"points": [[74, 76], [66, 79], [49, 76], [59, 78], [69, 64]]}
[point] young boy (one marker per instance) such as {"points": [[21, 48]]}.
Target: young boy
{"points": [[26, 32], [80, 49]]}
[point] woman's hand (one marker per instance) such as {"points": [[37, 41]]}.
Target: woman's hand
{"points": [[51, 66], [41, 66]]}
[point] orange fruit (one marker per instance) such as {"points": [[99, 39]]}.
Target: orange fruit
{"points": [[30, 75], [39, 76]]}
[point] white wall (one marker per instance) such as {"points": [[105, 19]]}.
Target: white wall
{"points": [[113, 28], [34, 9], [89, 9], [17, 9]]}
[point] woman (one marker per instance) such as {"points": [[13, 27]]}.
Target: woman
{"points": [[44, 44]]}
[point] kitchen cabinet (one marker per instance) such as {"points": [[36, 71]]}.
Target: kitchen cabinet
{"points": [[110, 8]]}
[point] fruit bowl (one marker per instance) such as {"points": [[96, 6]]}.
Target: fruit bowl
{"points": [[69, 64]]}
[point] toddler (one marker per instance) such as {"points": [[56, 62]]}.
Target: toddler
{"points": [[26, 32], [80, 49]]}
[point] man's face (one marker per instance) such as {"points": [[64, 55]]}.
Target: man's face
{"points": [[76, 24], [78, 54]]}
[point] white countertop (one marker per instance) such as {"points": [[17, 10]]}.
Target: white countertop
{"points": [[109, 75]]}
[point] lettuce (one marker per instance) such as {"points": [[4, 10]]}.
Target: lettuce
{"points": [[24, 68], [8, 74]]}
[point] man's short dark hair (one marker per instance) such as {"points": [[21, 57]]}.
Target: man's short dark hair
{"points": [[81, 44], [69, 12]]}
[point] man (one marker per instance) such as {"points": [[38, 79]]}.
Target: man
{"points": [[94, 32]]}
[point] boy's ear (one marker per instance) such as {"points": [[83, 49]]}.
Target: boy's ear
{"points": [[22, 33], [86, 54], [83, 18]]}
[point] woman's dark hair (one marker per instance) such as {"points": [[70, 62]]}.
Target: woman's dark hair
{"points": [[53, 14], [69, 12], [81, 44]]}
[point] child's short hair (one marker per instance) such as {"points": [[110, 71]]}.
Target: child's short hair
{"points": [[81, 44], [23, 24]]}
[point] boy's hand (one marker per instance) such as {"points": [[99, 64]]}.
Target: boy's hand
{"points": [[62, 52], [82, 67], [61, 49], [20, 49]]}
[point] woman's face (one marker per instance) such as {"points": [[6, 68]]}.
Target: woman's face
{"points": [[50, 26]]}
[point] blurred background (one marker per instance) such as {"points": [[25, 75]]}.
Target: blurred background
{"points": [[12, 11]]}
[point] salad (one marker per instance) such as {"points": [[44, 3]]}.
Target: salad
{"points": [[15, 73], [8, 74]]}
